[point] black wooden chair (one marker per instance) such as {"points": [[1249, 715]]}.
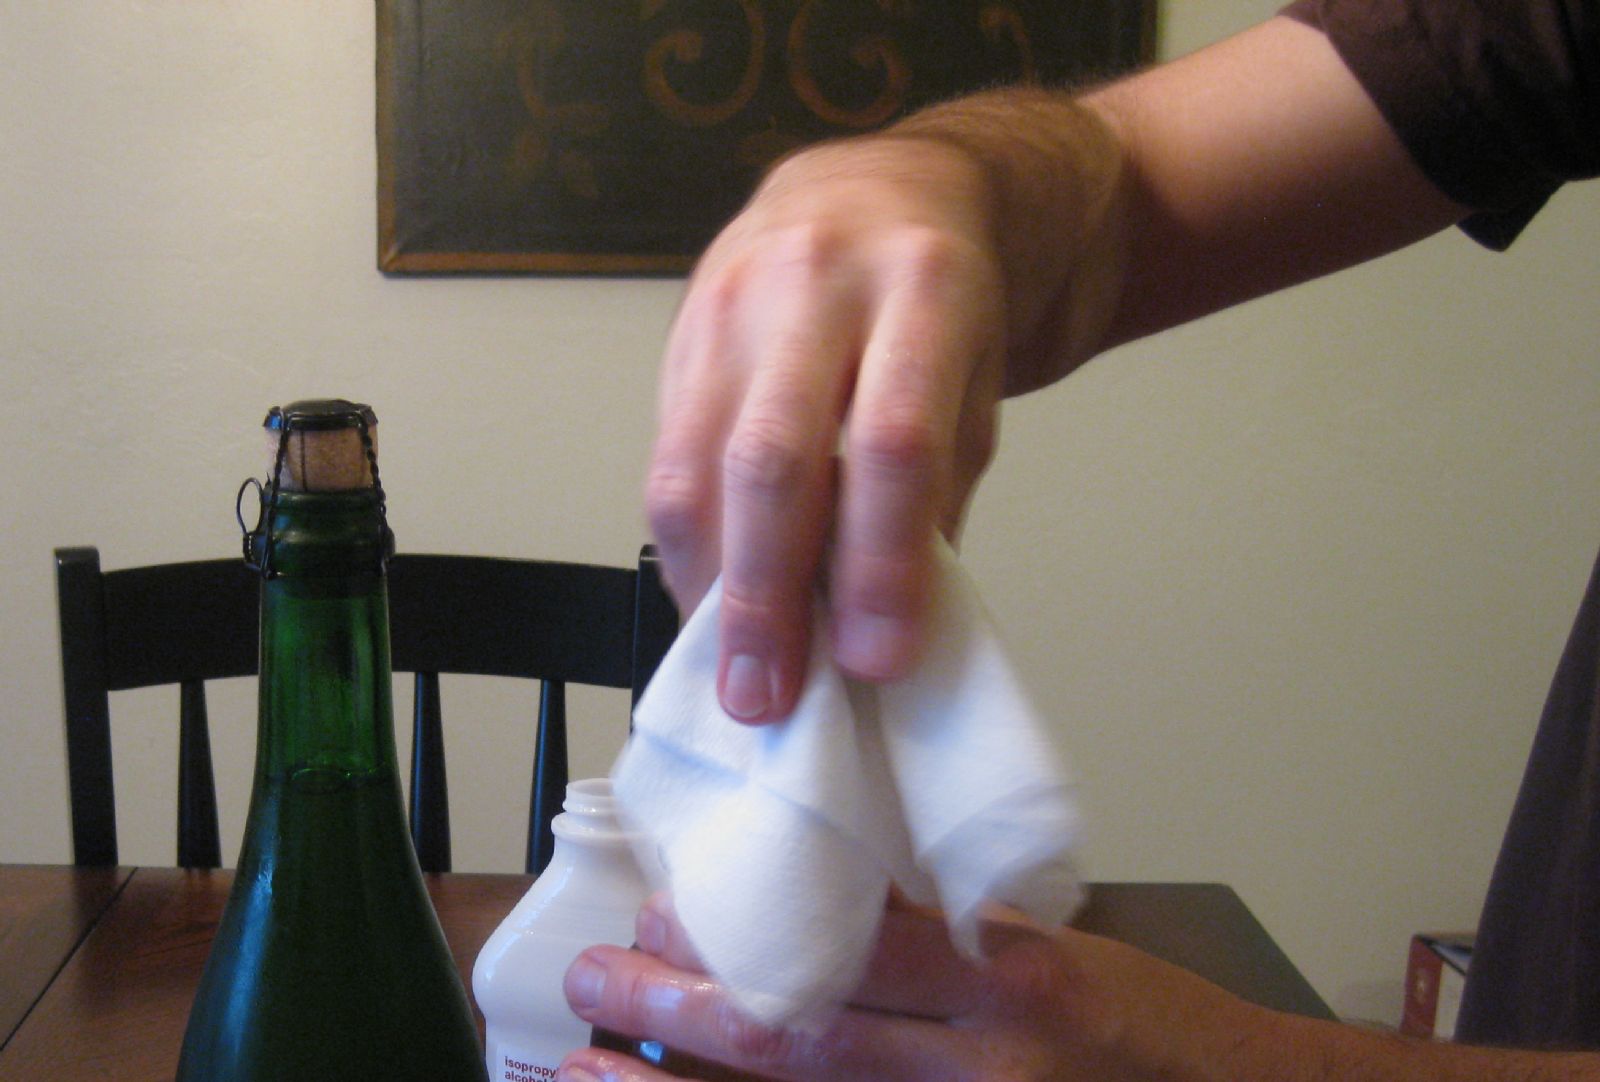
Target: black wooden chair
{"points": [[187, 623]]}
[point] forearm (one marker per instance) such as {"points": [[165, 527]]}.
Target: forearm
{"points": [[1283, 1048], [1254, 165], [1146, 1019], [1247, 167]]}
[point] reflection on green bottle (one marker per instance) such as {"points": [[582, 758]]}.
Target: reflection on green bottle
{"points": [[329, 963]]}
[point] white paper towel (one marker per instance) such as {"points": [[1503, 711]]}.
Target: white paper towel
{"points": [[780, 841]]}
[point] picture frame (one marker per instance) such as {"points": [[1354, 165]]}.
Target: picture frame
{"points": [[618, 136]]}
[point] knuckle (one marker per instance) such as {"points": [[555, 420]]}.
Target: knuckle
{"points": [[716, 297], [759, 607], [677, 502], [629, 994], [934, 260], [899, 441], [765, 459], [759, 1045], [796, 254], [713, 304], [806, 249]]}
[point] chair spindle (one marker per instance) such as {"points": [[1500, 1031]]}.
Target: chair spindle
{"points": [[549, 773], [198, 841], [430, 796]]}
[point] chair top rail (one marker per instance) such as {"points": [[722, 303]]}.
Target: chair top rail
{"points": [[489, 616], [173, 622], [542, 620]]}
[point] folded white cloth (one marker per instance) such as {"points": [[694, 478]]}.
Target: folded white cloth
{"points": [[780, 841]]}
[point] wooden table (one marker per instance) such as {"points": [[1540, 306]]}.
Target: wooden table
{"points": [[98, 966]]}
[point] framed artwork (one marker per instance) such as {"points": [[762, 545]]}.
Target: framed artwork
{"points": [[617, 136]]}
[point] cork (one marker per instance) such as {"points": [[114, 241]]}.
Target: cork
{"points": [[325, 451]]}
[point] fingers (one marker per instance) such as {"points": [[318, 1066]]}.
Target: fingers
{"points": [[844, 290], [777, 471], [632, 993], [702, 384], [757, 372], [596, 1065], [920, 433]]}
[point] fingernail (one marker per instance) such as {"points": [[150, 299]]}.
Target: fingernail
{"points": [[585, 983], [872, 646], [747, 692], [650, 931]]}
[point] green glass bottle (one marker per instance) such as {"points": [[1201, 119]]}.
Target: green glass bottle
{"points": [[329, 962]]}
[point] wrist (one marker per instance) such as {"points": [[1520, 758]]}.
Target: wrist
{"points": [[1053, 179]]}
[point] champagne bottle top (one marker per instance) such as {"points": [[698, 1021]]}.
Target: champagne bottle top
{"points": [[322, 445]]}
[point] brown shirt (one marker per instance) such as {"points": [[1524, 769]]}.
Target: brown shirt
{"points": [[1499, 102]]}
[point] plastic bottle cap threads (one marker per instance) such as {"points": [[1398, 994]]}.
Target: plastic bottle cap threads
{"points": [[589, 812]]}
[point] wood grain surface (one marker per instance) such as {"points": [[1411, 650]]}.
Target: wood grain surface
{"points": [[98, 966], [44, 912], [118, 1007]]}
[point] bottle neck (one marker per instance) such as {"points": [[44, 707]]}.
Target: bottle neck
{"points": [[325, 710], [589, 813]]}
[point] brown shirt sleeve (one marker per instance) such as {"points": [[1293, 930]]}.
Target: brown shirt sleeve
{"points": [[1498, 101]]}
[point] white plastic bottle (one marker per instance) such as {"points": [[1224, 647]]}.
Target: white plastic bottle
{"points": [[589, 893]]}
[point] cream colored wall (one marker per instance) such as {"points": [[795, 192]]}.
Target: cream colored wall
{"points": [[1292, 580]]}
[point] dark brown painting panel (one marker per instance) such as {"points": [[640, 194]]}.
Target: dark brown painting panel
{"points": [[617, 136]]}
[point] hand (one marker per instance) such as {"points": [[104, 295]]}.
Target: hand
{"points": [[1058, 1005], [830, 385], [890, 287], [860, 283]]}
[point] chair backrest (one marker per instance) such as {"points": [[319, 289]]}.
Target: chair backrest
{"points": [[186, 623]]}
